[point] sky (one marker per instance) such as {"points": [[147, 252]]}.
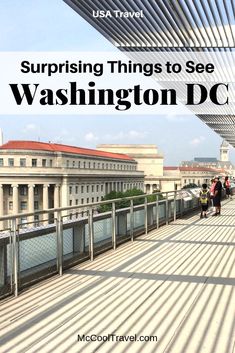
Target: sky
{"points": [[51, 25]]}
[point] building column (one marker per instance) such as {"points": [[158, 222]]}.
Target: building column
{"points": [[1, 206], [64, 195], [15, 199], [31, 201], [56, 198], [45, 201]]}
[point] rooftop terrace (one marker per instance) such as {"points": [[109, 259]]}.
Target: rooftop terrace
{"points": [[176, 283]]}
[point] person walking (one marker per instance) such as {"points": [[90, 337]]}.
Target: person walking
{"points": [[204, 200], [227, 186], [212, 191], [217, 196]]}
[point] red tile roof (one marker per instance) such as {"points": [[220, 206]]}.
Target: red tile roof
{"points": [[170, 168], [55, 147], [199, 169], [195, 169]]}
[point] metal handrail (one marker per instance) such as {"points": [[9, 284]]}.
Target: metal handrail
{"points": [[75, 207]]}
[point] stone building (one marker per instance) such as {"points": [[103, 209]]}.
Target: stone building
{"points": [[37, 175]]}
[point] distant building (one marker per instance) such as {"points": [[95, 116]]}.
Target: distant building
{"points": [[211, 162], [150, 160], [193, 175], [36, 175]]}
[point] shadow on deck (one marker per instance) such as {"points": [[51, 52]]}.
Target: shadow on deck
{"points": [[176, 284]]}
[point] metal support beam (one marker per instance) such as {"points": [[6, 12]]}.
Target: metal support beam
{"points": [[132, 220], [146, 215], [91, 233], [114, 235], [167, 209], [59, 234], [15, 256]]}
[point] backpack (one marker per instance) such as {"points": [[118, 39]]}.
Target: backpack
{"points": [[204, 197]]}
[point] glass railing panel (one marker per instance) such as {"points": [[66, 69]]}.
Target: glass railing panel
{"points": [[102, 233], [162, 212], [37, 257], [139, 220], [6, 265]]}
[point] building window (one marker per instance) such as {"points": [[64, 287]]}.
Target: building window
{"points": [[94, 165], [82, 189], [107, 166], [73, 164], [23, 220], [101, 188], [97, 188], [10, 162], [76, 189], [87, 188], [1, 162], [36, 190], [67, 163], [87, 200], [89, 165], [92, 188], [102, 165], [51, 163], [36, 220], [36, 205], [70, 202], [97, 199], [92, 199], [79, 164], [23, 190], [70, 190], [10, 205], [82, 201], [76, 201], [44, 162], [23, 205], [84, 165], [10, 192], [34, 162], [98, 165], [23, 162]]}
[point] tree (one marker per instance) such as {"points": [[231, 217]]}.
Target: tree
{"points": [[123, 201], [190, 186]]}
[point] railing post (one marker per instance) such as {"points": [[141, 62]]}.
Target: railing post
{"points": [[91, 233], [167, 209], [174, 206], [15, 257], [181, 205], [132, 220], [59, 233], [157, 211], [146, 214], [114, 235]]}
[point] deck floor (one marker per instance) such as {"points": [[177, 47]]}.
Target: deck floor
{"points": [[176, 283]]}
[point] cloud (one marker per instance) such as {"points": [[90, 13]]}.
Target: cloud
{"points": [[197, 141], [91, 137], [129, 135], [30, 127], [176, 118]]}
